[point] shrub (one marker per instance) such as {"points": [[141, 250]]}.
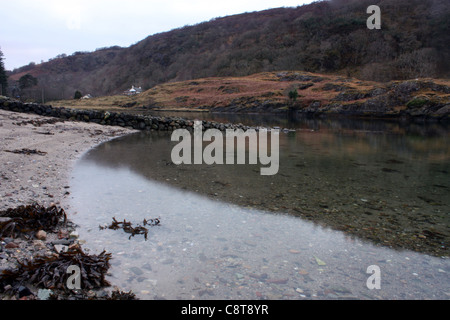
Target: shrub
{"points": [[417, 102]]}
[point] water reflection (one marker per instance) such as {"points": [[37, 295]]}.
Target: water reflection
{"points": [[312, 123], [387, 188]]}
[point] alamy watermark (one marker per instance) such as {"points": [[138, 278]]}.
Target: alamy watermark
{"points": [[374, 21], [74, 281], [259, 147], [374, 281]]}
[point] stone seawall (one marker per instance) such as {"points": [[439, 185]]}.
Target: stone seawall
{"points": [[126, 120]]}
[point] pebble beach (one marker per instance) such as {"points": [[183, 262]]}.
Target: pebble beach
{"points": [[37, 155]]}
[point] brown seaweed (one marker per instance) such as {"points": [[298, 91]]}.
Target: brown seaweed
{"points": [[38, 123], [51, 272], [128, 227], [27, 152], [26, 220], [121, 295], [84, 295]]}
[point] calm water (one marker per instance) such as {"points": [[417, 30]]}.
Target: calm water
{"points": [[347, 196]]}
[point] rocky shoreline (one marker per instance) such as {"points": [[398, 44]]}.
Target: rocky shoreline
{"points": [[412, 100], [37, 154], [116, 119]]}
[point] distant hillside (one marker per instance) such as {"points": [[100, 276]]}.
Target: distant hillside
{"points": [[268, 92], [326, 37]]}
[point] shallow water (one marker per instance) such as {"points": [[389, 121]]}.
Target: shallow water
{"points": [[224, 231]]}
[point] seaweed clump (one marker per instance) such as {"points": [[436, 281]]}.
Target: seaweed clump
{"points": [[51, 272], [128, 226], [121, 295], [83, 295], [28, 152], [26, 220]]}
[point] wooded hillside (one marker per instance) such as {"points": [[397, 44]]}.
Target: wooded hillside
{"points": [[325, 36]]}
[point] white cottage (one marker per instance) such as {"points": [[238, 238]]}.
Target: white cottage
{"points": [[134, 90]]}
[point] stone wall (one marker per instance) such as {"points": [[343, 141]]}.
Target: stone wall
{"points": [[135, 121]]}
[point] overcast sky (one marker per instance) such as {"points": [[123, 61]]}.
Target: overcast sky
{"points": [[36, 30]]}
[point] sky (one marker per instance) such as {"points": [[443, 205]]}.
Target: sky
{"points": [[37, 30]]}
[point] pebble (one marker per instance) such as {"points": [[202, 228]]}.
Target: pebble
{"points": [[41, 235], [303, 272], [8, 240], [24, 292], [11, 245], [136, 271], [74, 235], [61, 248], [39, 244], [44, 294], [147, 266]]}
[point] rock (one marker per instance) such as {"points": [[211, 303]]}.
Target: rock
{"points": [[303, 272], [61, 248], [63, 234], [39, 244], [74, 235], [137, 271], [11, 245], [261, 277], [74, 246], [24, 292], [44, 294], [147, 266], [41, 235], [5, 219]]}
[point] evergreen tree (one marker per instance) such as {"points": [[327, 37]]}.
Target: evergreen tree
{"points": [[3, 76], [77, 95]]}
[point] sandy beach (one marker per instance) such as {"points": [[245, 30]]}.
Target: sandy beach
{"points": [[37, 155]]}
